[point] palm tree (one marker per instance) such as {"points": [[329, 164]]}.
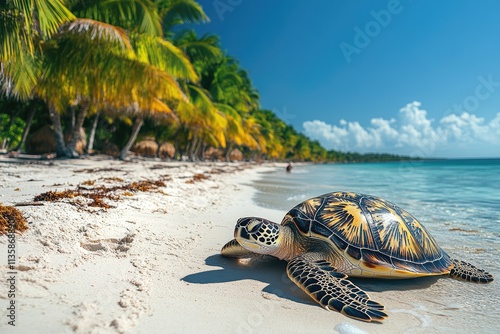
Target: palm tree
{"points": [[31, 30], [162, 53], [201, 121], [233, 90], [139, 18], [153, 49], [269, 142], [153, 56], [92, 61], [240, 130], [102, 70], [229, 87]]}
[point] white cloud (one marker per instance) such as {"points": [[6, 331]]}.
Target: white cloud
{"points": [[413, 133]]}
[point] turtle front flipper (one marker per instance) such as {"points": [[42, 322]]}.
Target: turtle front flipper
{"points": [[467, 272], [234, 249], [330, 288]]}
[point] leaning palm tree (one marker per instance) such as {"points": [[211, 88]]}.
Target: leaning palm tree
{"points": [[202, 123], [162, 53], [240, 130], [201, 120], [149, 45], [231, 89], [133, 17], [101, 70], [46, 50]]}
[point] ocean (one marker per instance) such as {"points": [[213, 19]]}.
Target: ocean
{"points": [[457, 195], [458, 201]]}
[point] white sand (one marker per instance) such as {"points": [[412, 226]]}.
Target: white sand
{"points": [[152, 264]]}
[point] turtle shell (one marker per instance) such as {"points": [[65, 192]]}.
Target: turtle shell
{"points": [[373, 230]]}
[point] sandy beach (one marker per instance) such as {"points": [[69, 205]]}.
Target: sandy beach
{"points": [[150, 262]]}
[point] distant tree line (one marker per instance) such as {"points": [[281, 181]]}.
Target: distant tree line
{"points": [[351, 157]]}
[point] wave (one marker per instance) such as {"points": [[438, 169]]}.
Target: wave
{"points": [[300, 197]]}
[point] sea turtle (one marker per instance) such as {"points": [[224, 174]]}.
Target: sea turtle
{"points": [[330, 237]]}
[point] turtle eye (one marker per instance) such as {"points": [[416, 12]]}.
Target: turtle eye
{"points": [[253, 225]]}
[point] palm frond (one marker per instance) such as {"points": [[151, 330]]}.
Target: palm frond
{"points": [[51, 14], [206, 48], [18, 78], [163, 54], [135, 15], [201, 99], [96, 31], [234, 129], [102, 72], [16, 39], [176, 12]]}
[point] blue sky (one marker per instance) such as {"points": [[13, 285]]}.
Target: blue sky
{"points": [[407, 77]]}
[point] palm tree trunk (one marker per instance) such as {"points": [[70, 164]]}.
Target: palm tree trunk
{"points": [[77, 127], [229, 149], [72, 108], [135, 131], [61, 149], [192, 148], [182, 144], [198, 153], [188, 144], [203, 150], [27, 127], [178, 153], [90, 145]]}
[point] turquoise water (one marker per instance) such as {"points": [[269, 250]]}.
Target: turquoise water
{"points": [[457, 200]]}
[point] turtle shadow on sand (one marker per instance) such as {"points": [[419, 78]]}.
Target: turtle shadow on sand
{"points": [[264, 269], [272, 271]]}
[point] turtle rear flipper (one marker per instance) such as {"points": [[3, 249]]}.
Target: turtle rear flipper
{"points": [[467, 272], [330, 288]]}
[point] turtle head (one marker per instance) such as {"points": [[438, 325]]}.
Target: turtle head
{"points": [[258, 235]]}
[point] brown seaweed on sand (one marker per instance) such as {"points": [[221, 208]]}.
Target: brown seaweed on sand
{"points": [[97, 170], [97, 195], [11, 216], [197, 177]]}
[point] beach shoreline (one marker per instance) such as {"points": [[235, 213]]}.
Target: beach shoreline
{"points": [[151, 263]]}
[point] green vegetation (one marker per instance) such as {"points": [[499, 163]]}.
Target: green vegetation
{"points": [[350, 157], [79, 75]]}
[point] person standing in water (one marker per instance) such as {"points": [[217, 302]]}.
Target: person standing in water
{"points": [[289, 167]]}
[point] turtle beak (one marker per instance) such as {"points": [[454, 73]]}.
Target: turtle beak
{"points": [[248, 245]]}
